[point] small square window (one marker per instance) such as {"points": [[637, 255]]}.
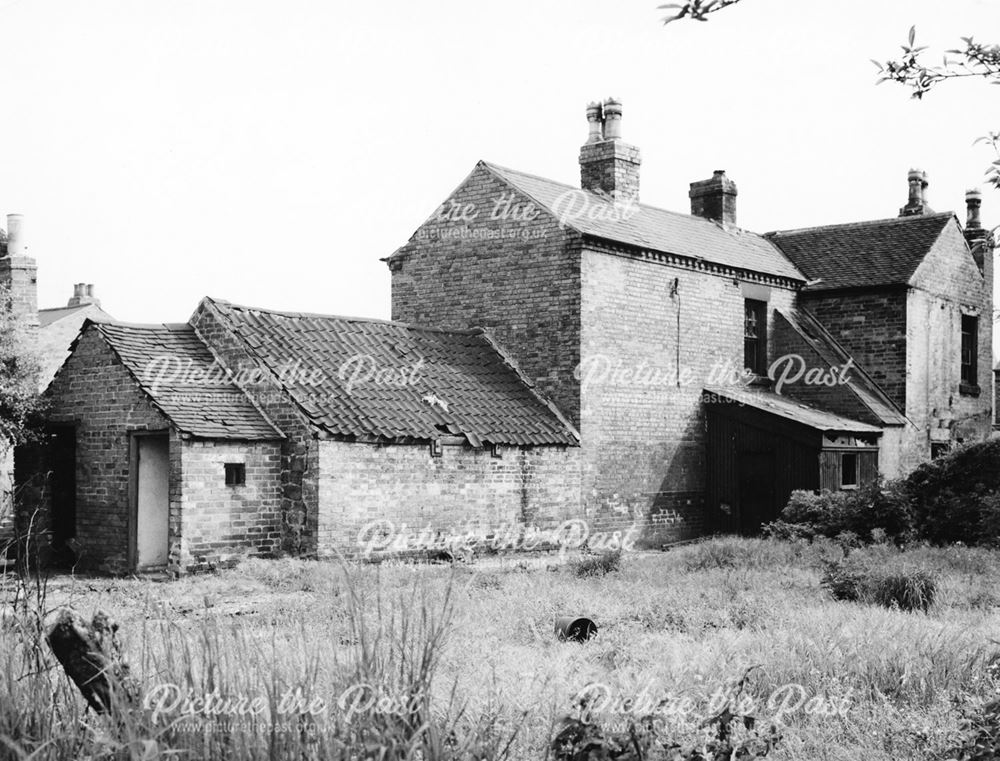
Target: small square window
{"points": [[939, 449], [848, 470], [236, 474]]}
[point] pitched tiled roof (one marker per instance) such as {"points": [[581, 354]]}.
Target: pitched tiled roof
{"points": [[57, 328], [862, 254], [162, 357], [790, 409], [374, 380], [655, 229], [824, 344]]}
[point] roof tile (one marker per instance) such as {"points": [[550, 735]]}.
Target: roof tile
{"points": [[207, 407], [862, 254], [391, 381]]}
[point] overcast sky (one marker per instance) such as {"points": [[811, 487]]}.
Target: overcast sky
{"points": [[270, 153]]}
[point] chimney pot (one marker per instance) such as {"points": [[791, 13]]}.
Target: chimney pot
{"points": [[608, 165], [594, 123], [612, 119], [973, 201], [16, 245], [916, 202]]}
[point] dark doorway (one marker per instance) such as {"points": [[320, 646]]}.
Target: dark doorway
{"points": [[62, 483], [756, 490]]}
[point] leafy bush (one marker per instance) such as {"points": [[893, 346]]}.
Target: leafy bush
{"points": [[956, 498], [980, 735], [598, 565], [729, 736], [871, 581], [872, 513]]}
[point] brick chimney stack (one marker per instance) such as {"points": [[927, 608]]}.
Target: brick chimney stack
{"points": [[917, 201], [714, 198], [975, 235], [83, 293], [18, 271], [608, 164]]}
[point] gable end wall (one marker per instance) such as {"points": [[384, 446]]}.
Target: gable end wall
{"points": [[520, 278]]}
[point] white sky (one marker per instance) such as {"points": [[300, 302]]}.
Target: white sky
{"points": [[270, 153]]}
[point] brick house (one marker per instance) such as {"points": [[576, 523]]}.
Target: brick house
{"points": [[631, 317], [581, 356]]}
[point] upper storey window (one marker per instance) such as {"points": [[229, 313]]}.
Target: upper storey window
{"points": [[755, 336]]}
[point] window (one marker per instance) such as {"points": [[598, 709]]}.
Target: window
{"points": [[938, 449], [755, 336], [236, 474], [848, 470], [970, 350]]}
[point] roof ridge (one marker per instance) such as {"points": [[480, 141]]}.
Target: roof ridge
{"points": [[608, 200], [347, 318], [177, 326], [863, 223]]}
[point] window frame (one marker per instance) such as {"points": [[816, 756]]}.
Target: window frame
{"points": [[855, 469], [235, 473], [759, 307], [969, 345]]}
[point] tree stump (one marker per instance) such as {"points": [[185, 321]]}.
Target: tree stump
{"points": [[91, 656]]}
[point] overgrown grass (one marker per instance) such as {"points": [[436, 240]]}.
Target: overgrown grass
{"points": [[468, 665], [598, 565]]}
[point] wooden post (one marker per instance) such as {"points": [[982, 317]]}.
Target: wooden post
{"points": [[90, 656]]}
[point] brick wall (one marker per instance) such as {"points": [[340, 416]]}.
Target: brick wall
{"points": [[839, 399], [299, 452], [362, 483], [947, 284], [94, 393], [644, 442], [19, 273], [219, 523], [519, 278], [871, 326]]}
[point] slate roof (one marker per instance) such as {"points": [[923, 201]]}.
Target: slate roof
{"points": [[790, 409], [863, 386], [210, 407], [57, 329], [878, 253], [433, 382], [656, 229], [48, 316]]}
